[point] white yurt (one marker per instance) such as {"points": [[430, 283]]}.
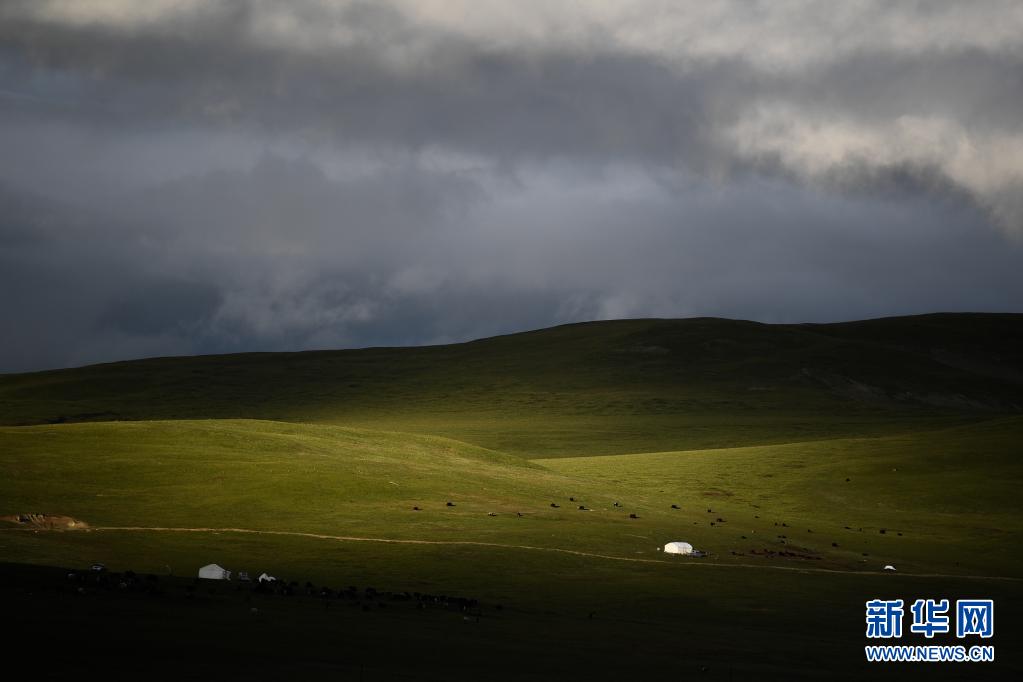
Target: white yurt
{"points": [[214, 572], [678, 548]]}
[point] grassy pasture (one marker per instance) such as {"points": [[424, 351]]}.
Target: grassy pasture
{"points": [[761, 424], [597, 388], [273, 476], [697, 620]]}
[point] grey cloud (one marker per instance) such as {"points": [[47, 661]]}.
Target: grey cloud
{"points": [[161, 306], [199, 183], [932, 107], [459, 94], [983, 89], [764, 250]]}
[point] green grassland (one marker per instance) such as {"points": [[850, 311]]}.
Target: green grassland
{"points": [[786, 448], [273, 476], [583, 389]]}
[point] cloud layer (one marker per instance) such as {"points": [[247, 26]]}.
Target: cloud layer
{"points": [[184, 177]]}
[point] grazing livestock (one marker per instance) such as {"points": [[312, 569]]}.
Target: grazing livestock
{"points": [[555, 506], [633, 516], [582, 507], [675, 506], [451, 504]]}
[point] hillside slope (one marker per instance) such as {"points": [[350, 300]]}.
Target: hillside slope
{"points": [[255, 474], [939, 500], [592, 388], [933, 492], [782, 450]]}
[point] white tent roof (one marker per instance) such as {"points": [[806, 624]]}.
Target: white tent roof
{"points": [[214, 572], [678, 547]]}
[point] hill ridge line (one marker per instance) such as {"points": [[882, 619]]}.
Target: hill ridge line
{"points": [[399, 541], [815, 328]]}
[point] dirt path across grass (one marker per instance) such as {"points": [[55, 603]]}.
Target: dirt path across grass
{"points": [[558, 550]]}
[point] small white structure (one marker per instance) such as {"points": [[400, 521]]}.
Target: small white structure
{"points": [[266, 578], [889, 567], [214, 572], [678, 548]]}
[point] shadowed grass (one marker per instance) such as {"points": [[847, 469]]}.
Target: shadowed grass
{"points": [[787, 448], [584, 389]]}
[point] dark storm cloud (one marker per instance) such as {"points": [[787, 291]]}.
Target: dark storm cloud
{"points": [[459, 94], [210, 67], [204, 177], [159, 307]]}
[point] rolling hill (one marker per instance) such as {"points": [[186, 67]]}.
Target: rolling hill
{"points": [[582, 389], [802, 458], [898, 499]]}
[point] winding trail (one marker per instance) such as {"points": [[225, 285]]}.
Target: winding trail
{"points": [[475, 543]]}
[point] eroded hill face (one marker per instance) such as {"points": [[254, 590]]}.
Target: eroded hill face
{"points": [[593, 388]]}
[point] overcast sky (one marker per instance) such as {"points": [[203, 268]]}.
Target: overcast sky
{"points": [[186, 176]]}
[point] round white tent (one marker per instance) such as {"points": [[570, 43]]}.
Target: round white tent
{"points": [[214, 572], [678, 548]]}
